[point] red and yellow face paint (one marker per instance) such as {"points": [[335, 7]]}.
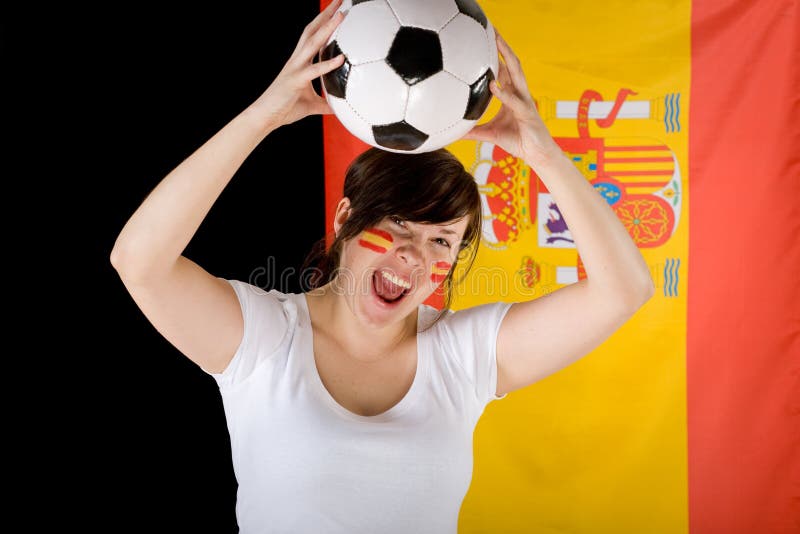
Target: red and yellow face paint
{"points": [[376, 240], [439, 270]]}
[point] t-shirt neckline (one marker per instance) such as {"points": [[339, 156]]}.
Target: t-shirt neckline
{"points": [[408, 400]]}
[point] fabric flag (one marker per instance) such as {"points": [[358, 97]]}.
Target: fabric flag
{"points": [[685, 117]]}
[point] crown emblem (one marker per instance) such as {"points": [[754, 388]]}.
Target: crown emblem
{"points": [[504, 182]]}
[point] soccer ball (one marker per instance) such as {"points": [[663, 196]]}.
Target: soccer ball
{"points": [[416, 72]]}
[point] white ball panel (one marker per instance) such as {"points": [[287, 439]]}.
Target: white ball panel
{"points": [[459, 129], [428, 14], [377, 93], [350, 120], [367, 32], [417, 151], [447, 136], [494, 60], [465, 48], [437, 102]]}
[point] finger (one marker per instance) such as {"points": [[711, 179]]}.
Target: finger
{"points": [[323, 17], [502, 68], [318, 40], [320, 106], [506, 53], [502, 75], [323, 67], [507, 97], [512, 62], [505, 49]]}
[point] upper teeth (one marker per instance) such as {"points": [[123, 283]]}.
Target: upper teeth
{"points": [[395, 280]]}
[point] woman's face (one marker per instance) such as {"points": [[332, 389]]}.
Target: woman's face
{"points": [[388, 270]]}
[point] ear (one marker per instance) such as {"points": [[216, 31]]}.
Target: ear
{"points": [[342, 213]]}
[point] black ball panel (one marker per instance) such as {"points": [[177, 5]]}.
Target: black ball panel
{"points": [[415, 54], [479, 96], [471, 9], [356, 2], [398, 136], [335, 81]]}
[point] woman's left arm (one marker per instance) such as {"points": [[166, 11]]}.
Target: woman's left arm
{"points": [[541, 336]]}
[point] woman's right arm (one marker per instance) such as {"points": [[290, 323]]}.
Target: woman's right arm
{"points": [[194, 310]]}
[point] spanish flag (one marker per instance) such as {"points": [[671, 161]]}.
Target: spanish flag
{"points": [[376, 240], [685, 117], [439, 271]]}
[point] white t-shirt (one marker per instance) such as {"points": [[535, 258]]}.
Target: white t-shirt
{"points": [[305, 464]]}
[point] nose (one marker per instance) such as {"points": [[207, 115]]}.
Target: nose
{"points": [[410, 254]]}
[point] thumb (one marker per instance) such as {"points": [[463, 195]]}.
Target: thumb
{"points": [[481, 132], [320, 106]]}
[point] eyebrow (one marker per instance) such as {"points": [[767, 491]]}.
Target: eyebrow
{"points": [[444, 230]]}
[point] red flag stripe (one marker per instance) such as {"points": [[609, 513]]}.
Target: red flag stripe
{"points": [[372, 246], [743, 340]]}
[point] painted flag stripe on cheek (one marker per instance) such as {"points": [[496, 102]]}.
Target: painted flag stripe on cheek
{"points": [[376, 240], [439, 271]]}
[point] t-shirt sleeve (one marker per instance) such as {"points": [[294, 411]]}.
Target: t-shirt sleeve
{"points": [[266, 323], [471, 337]]}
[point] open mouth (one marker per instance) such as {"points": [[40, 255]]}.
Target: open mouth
{"points": [[389, 289]]}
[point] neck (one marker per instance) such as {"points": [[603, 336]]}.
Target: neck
{"points": [[367, 344]]}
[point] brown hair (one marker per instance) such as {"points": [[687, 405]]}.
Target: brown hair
{"points": [[430, 187]]}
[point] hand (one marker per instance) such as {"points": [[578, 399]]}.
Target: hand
{"points": [[291, 95], [517, 128]]}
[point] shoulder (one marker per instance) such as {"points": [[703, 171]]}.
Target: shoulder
{"points": [[467, 323], [478, 316], [427, 316], [266, 313], [246, 291], [468, 337], [270, 317]]}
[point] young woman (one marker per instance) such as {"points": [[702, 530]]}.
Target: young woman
{"points": [[351, 407]]}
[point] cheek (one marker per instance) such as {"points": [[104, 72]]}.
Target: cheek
{"points": [[439, 270], [376, 240]]}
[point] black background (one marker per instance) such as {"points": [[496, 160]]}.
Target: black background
{"points": [[138, 440]]}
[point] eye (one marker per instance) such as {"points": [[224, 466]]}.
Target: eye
{"points": [[398, 221], [442, 241]]}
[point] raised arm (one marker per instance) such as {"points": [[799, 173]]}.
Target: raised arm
{"points": [[194, 310], [541, 336]]}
